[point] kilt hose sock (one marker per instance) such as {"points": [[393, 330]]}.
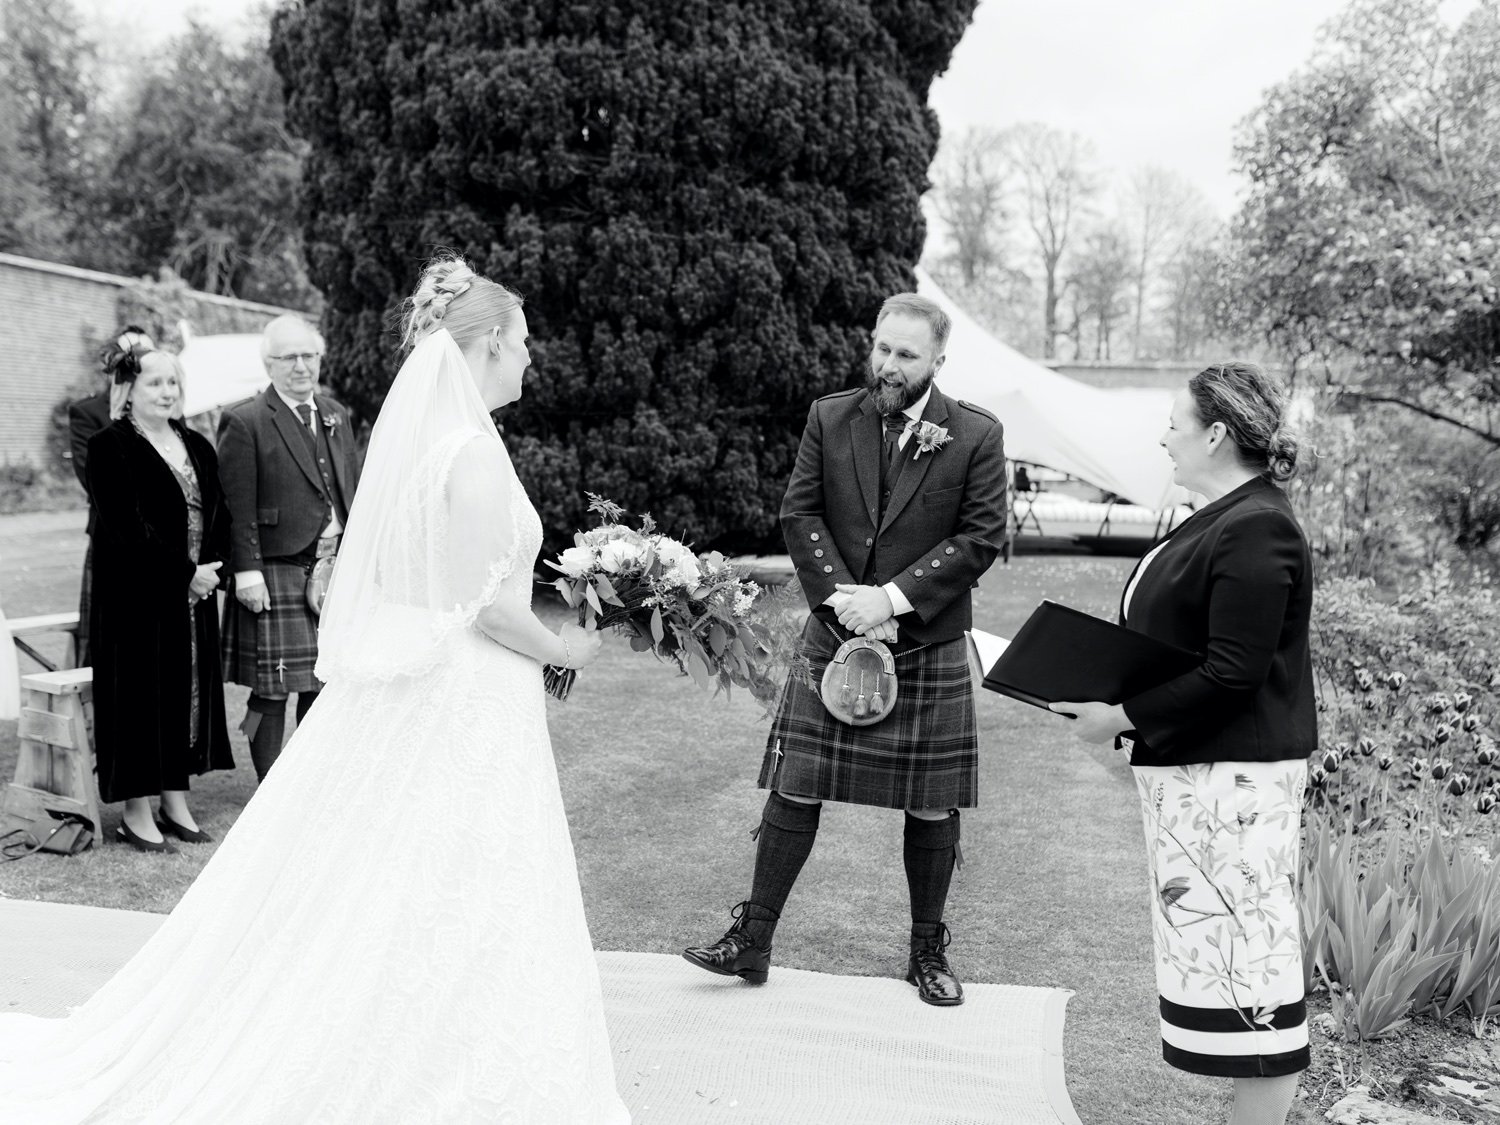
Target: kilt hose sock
{"points": [[785, 840], [929, 849], [265, 727]]}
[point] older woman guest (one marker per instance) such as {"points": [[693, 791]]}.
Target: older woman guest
{"points": [[161, 536], [1220, 753]]}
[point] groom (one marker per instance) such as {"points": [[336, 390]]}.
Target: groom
{"points": [[895, 508]]}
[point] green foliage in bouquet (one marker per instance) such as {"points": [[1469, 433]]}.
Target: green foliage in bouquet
{"points": [[694, 611], [1406, 931], [703, 201]]}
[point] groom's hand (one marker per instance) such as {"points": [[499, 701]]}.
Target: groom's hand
{"points": [[866, 607]]}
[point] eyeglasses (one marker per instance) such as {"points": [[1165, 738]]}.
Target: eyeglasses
{"points": [[309, 358]]}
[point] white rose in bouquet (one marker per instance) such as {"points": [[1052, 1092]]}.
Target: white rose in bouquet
{"points": [[618, 554], [679, 565], [575, 562]]}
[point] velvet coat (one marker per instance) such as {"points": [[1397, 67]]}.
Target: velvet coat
{"points": [[140, 622]]}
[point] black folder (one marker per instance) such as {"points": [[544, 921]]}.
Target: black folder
{"points": [[1061, 653]]}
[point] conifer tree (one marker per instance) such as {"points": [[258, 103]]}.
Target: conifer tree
{"points": [[703, 201]]}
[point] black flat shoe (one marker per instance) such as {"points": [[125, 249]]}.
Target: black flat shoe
{"points": [[125, 835], [745, 951], [928, 968], [186, 835]]}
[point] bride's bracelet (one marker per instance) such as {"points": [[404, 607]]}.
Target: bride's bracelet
{"points": [[567, 650]]}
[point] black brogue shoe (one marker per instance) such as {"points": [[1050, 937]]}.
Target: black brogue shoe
{"points": [[928, 967], [745, 951]]}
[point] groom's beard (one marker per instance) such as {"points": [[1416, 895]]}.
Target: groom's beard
{"points": [[894, 399]]}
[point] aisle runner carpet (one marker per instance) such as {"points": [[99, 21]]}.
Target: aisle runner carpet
{"points": [[691, 1049]]}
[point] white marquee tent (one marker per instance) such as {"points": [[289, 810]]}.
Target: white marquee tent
{"points": [[220, 370], [1108, 438]]}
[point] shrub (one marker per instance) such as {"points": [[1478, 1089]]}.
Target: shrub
{"points": [[704, 203]]}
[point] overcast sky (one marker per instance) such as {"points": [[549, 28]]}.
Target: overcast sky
{"points": [[1147, 81]]}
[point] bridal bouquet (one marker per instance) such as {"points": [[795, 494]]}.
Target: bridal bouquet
{"points": [[691, 610]]}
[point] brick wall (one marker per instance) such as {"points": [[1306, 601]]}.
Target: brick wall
{"points": [[56, 318]]}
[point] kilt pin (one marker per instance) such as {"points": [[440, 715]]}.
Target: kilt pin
{"points": [[284, 482], [931, 521]]}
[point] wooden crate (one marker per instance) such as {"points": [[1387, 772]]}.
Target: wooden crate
{"points": [[55, 768]]}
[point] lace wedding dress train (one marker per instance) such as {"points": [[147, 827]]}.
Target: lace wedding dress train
{"points": [[393, 929]]}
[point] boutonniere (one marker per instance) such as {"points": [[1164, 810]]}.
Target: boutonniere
{"points": [[330, 422], [931, 437]]}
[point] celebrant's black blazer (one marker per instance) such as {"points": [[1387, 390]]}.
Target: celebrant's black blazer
{"points": [[1234, 582], [940, 530]]}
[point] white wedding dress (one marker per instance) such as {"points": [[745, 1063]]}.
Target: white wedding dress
{"points": [[393, 931]]}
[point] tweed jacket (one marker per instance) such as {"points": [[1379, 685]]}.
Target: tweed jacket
{"points": [[942, 526], [1234, 582], [276, 495]]}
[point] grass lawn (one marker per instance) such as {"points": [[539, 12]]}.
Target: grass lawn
{"points": [[659, 783]]}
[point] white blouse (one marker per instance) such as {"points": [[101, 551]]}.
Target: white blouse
{"points": [[1135, 579]]}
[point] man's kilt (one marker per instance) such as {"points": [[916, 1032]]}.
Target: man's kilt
{"points": [[273, 653], [923, 755]]}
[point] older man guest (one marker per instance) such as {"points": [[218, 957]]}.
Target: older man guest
{"points": [[895, 507], [290, 467]]}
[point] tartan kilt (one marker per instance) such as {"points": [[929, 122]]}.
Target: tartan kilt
{"points": [[923, 755], [273, 653]]}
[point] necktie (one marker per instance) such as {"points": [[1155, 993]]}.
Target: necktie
{"points": [[304, 411], [895, 426]]}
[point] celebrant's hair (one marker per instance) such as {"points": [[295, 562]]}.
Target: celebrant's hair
{"points": [[1252, 406], [914, 304], [452, 296]]}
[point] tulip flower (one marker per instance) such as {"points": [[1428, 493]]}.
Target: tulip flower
{"points": [[1395, 680], [1331, 760], [1441, 733], [1317, 777], [1363, 679], [1487, 753], [1385, 762], [1486, 803], [1418, 767], [1366, 747], [1458, 784], [1471, 721], [1441, 769]]}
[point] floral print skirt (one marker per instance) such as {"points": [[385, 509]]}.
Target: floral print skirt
{"points": [[1223, 840]]}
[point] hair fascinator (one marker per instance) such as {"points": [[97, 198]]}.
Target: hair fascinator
{"points": [[121, 357]]}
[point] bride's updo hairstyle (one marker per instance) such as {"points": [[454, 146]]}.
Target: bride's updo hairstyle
{"points": [[1252, 407], [452, 296]]}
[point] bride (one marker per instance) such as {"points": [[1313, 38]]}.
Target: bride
{"points": [[393, 930]]}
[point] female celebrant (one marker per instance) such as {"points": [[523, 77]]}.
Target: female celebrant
{"points": [[1219, 754], [161, 535]]}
